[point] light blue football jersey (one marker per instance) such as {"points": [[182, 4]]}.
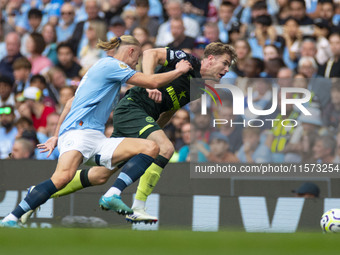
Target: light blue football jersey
{"points": [[97, 94]]}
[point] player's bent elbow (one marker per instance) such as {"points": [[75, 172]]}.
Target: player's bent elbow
{"points": [[152, 53], [147, 52]]}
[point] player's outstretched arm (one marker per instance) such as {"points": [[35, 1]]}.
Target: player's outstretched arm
{"points": [[152, 58], [154, 81], [51, 143]]}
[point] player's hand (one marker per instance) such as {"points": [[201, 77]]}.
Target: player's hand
{"points": [[183, 66], [49, 145], [155, 95]]}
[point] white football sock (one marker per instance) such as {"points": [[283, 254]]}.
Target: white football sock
{"points": [[138, 204], [10, 217], [112, 191]]}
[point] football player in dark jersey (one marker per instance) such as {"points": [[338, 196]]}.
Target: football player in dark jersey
{"points": [[138, 115]]}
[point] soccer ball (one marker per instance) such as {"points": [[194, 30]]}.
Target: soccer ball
{"points": [[330, 221]]}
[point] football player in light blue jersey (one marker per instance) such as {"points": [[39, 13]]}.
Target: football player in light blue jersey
{"points": [[96, 94], [80, 136]]}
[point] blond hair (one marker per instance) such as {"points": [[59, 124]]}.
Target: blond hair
{"points": [[218, 49], [115, 42]]}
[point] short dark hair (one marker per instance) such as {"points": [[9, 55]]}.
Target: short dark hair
{"points": [[227, 3], [23, 120], [277, 61], [35, 13], [7, 80], [291, 18], [66, 44], [328, 2], [142, 3], [259, 5], [39, 78], [31, 135], [259, 63], [299, 1], [264, 20]]}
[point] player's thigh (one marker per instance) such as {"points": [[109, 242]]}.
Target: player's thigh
{"points": [[130, 147], [133, 122], [103, 150], [165, 145], [86, 141], [67, 166]]}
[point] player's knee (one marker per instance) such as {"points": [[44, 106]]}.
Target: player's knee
{"points": [[151, 149], [167, 149], [61, 181]]}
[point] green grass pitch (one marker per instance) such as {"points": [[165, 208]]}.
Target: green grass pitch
{"points": [[65, 241]]}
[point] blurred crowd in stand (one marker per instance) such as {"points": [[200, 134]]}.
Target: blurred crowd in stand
{"points": [[46, 47]]}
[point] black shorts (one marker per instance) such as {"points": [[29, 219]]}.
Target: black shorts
{"points": [[131, 120]]}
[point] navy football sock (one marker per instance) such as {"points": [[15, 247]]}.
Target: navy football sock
{"points": [[132, 170], [39, 195]]}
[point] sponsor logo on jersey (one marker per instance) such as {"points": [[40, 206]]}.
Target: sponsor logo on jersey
{"points": [[172, 54], [182, 94], [173, 96]]}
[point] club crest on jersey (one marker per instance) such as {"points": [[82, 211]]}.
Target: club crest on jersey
{"points": [[123, 66], [180, 54], [149, 119]]}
